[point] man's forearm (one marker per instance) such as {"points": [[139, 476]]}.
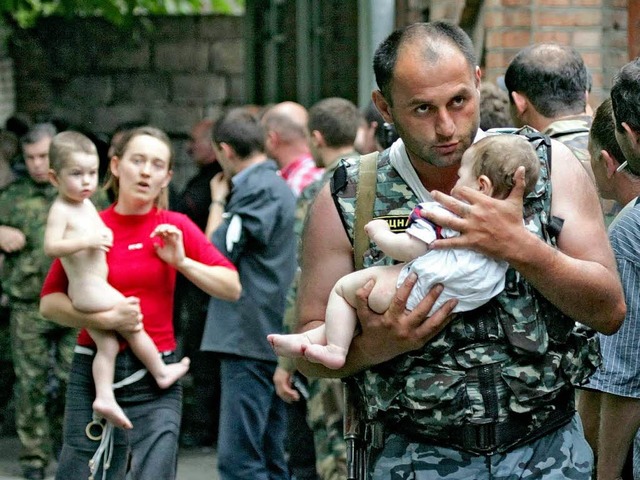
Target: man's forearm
{"points": [[586, 291]]}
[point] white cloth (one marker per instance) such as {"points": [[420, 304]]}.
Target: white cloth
{"points": [[470, 277]]}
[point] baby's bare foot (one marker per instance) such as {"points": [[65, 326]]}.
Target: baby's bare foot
{"points": [[112, 412], [329, 357], [291, 346], [173, 372]]}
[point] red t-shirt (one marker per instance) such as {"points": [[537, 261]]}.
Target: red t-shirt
{"points": [[136, 270]]}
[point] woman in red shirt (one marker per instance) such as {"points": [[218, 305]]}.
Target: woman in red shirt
{"points": [[150, 245]]}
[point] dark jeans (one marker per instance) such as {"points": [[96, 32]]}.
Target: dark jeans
{"points": [[252, 422], [300, 444], [152, 444]]}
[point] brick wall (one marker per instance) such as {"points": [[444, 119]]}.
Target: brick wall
{"points": [[597, 28], [171, 73]]}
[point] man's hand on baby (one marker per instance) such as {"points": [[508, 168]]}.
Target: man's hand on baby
{"points": [[487, 225], [398, 330]]}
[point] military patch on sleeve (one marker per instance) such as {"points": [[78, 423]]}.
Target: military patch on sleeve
{"points": [[397, 223]]}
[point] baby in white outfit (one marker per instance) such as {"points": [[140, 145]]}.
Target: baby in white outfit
{"points": [[471, 277]]}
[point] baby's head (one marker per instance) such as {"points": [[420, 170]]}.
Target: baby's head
{"points": [[489, 165], [72, 157]]}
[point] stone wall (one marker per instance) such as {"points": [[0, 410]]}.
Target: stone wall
{"points": [[167, 71], [7, 85]]}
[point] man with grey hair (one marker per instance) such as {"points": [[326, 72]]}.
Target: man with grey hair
{"points": [[24, 206]]}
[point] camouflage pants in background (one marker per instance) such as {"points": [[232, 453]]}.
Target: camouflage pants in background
{"points": [[42, 354], [325, 408], [563, 454]]}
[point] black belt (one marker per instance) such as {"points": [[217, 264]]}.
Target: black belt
{"points": [[491, 437]]}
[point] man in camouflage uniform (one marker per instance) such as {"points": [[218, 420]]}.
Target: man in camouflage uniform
{"points": [[488, 393], [36, 342], [333, 124], [547, 85]]}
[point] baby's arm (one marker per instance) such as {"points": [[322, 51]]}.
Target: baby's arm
{"points": [[55, 243], [399, 246]]}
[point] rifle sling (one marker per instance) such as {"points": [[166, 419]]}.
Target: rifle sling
{"points": [[365, 197]]}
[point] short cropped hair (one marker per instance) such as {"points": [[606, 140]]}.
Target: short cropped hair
{"points": [[553, 77], [241, 130], [499, 156], [67, 143], [37, 133], [625, 96], [602, 132], [337, 119], [433, 34]]}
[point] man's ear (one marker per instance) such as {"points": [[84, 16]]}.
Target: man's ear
{"points": [[632, 135], [610, 164], [520, 102], [227, 150], [484, 185], [271, 137], [382, 105], [317, 139]]}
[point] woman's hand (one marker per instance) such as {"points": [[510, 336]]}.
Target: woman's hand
{"points": [[170, 246]]}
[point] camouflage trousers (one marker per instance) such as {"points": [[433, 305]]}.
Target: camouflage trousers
{"points": [[42, 353], [325, 408], [562, 454]]}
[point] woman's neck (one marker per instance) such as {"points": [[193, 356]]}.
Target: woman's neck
{"points": [[132, 208]]}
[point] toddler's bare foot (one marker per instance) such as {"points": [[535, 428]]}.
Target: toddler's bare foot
{"points": [[110, 410], [173, 372], [291, 346], [329, 356]]}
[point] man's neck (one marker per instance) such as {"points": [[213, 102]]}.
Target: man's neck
{"points": [[331, 155], [626, 189], [287, 154], [541, 123], [251, 160]]}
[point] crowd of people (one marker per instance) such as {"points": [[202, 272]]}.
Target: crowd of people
{"points": [[492, 337]]}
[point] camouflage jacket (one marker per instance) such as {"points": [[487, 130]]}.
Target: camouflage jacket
{"points": [[574, 133], [517, 355], [25, 205]]}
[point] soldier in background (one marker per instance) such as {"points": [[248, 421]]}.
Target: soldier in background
{"points": [[548, 87], [24, 206], [333, 126]]}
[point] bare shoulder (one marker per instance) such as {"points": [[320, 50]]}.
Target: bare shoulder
{"points": [[326, 256], [575, 201]]}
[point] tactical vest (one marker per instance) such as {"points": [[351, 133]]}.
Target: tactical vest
{"points": [[495, 377]]}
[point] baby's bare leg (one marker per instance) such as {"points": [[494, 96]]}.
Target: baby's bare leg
{"points": [[146, 351], [341, 318], [105, 402]]}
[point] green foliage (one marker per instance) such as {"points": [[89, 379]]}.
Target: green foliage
{"points": [[24, 13]]}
